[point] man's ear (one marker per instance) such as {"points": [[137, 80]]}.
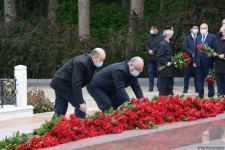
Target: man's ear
{"points": [[131, 66]]}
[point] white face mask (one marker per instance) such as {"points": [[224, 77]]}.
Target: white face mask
{"points": [[195, 31], [135, 73], [224, 25], [98, 63], [152, 32], [203, 32]]}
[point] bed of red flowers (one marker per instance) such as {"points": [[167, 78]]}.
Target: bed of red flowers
{"points": [[135, 114]]}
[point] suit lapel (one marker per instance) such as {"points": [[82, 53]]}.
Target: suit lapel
{"points": [[206, 39]]}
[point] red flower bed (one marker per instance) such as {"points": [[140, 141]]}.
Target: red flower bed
{"points": [[142, 114]]}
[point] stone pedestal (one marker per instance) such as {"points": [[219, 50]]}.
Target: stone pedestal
{"points": [[21, 109]]}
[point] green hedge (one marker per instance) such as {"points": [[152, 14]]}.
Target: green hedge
{"points": [[31, 42]]}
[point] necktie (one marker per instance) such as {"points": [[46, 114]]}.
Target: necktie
{"points": [[194, 39], [203, 39]]}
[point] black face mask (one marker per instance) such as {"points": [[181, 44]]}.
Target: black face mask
{"points": [[221, 34]]}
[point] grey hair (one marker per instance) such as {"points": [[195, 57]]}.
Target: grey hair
{"points": [[167, 32], [94, 53], [135, 60]]}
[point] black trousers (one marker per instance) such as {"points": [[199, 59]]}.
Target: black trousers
{"points": [[61, 103], [103, 99], [152, 69], [166, 86], [220, 81], [188, 70], [201, 73]]}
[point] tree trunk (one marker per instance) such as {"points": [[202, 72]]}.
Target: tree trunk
{"points": [[163, 4], [84, 19], [135, 19], [137, 9], [52, 6], [10, 11]]}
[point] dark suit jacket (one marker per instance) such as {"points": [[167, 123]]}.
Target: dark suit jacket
{"points": [[114, 78], [189, 44], [153, 43], [201, 59], [74, 75], [220, 49]]}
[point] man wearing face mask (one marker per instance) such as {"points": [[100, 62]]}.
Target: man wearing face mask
{"points": [[202, 62], [108, 85], [69, 80], [164, 57], [154, 38], [189, 48]]}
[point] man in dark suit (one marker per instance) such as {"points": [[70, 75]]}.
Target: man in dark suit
{"points": [[189, 47], [69, 80], [202, 62], [108, 85], [154, 38]]}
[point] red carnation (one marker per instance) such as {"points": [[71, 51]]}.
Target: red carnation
{"points": [[200, 46]]}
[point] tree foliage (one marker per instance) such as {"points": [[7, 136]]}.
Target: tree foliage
{"points": [[32, 42]]}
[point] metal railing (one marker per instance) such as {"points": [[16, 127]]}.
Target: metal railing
{"points": [[7, 92]]}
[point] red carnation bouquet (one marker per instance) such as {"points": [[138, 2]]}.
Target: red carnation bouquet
{"points": [[210, 78], [187, 57], [204, 48], [208, 51], [179, 61]]}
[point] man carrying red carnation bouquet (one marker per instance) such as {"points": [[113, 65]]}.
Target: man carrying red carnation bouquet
{"points": [[203, 62], [189, 50]]}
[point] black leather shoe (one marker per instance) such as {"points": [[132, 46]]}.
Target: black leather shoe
{"points": [[150, 89], [185, 91], [200, 96]]}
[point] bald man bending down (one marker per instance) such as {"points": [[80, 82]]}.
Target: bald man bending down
{"points": [[71, 77], [108, 85]]}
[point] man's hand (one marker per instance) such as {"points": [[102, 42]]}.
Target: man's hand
{"points": [[215, 54], [221, 56], [194, 64], [151, 52], [169, 64], [83, 107]]}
